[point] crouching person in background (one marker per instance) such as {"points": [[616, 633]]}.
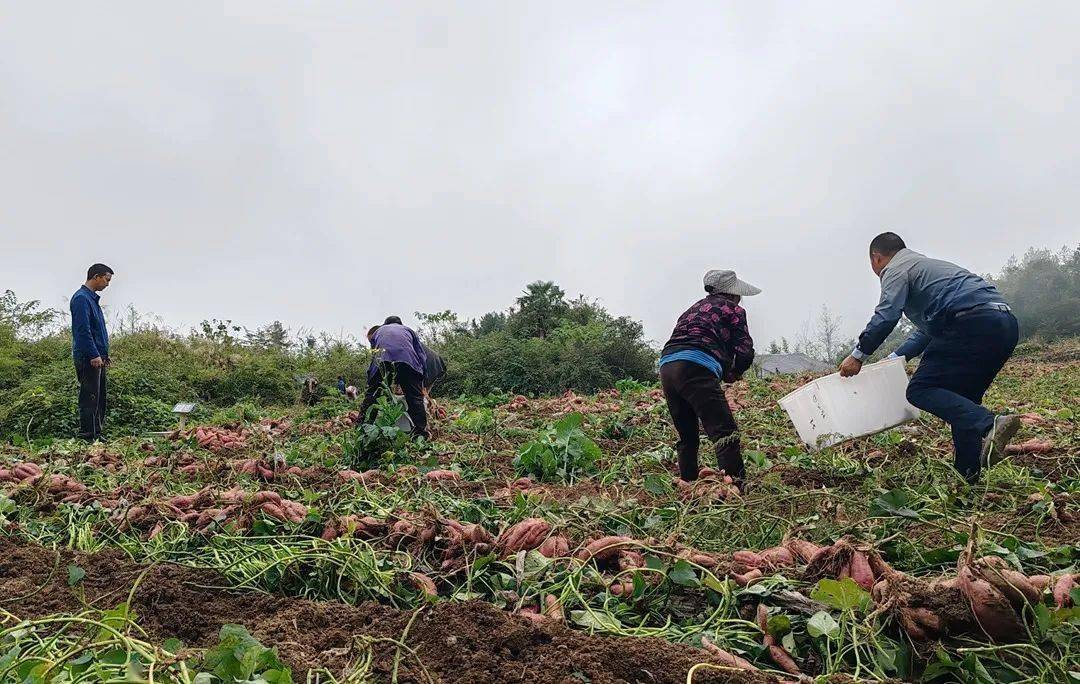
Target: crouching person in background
{"points": [[710, 342]]}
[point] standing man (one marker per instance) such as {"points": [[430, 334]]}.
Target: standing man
{"points": [[965, 332], [399, 358], [90, 350], [711, 341]]}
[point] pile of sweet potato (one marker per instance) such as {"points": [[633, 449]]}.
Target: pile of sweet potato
{"points": [[20, 472], [711, 485], [207, 506], [529, 534], [985, 598], [62, 487], [226, 438]]}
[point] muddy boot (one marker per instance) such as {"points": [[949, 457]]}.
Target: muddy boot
{"points": [[998, 437]]}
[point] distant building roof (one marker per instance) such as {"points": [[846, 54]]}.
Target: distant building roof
{"points": [[783, 364]]}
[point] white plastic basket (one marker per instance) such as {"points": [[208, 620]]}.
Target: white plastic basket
{"points": [[833, 409]]}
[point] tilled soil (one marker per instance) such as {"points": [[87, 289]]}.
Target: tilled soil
{"points": [[452, 642]]}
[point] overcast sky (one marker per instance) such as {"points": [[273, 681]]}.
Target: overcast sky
{"points": [[327, 164]]}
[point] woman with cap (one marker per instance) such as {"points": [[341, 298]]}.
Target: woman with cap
{"points": [[710, 342]]}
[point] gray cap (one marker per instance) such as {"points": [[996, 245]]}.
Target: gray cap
{"points": [[725, 282]]}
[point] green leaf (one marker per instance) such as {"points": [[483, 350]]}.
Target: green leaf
{"points": [[639, 584], [657, 484], [1060, 616], [75, 575], [172, 646], [565, 427], [894, 503], [757, 458], [712, 582], [604, 622], [842, 594], [821, 624], [683, 573], [779, 624]]}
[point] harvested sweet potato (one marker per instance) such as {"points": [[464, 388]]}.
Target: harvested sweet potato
{"points": [[859, 570], [183, 501], [621, 587], [1014, 585], [628, 560], [555, 546], [528, 534], [423, 584], [403, 529], [26, 471], [993, 612], [726, 658], [604, 549], [744, 579], [1062, 589], [804, 550], [553, 609], [745, 560], [1032, 446], [436, 475], [778, 557], [1040, 582], [274, 511], [263, 497]]}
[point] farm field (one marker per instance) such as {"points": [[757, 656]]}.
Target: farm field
{"points": [[546, 540]]}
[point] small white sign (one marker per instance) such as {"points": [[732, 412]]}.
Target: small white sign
{"points": [[183, 408]]}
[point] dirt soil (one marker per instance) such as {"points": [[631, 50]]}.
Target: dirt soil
{"points": [[453, 642]]}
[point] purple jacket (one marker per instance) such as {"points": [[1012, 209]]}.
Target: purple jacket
{"points": [[397, 344], [716, 325]]}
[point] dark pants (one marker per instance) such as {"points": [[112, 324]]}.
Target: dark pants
{"points": [[411, 383], [955, 371], [91, 399], [693, 394]]}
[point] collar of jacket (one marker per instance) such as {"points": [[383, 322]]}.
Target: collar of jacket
{"points": [[93, 294], [899, 260]]}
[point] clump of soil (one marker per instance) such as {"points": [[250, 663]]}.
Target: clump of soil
{"points": [[453, 642], [806, 478]]}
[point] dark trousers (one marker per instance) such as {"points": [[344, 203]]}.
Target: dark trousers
{"points": [[955, 371], [411, 383], [694, 394], [91, 399]]}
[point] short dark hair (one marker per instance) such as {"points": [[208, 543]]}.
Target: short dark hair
{"points": [[97, 270], [887, 244], [392, 319], [371, 331]]}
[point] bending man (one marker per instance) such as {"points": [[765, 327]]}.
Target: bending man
{"points": [[965, 333], [399, 358]]}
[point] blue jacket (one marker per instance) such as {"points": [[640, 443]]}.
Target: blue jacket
{"points": [[89, 338], [929, 292]]}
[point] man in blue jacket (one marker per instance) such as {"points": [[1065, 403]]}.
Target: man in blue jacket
{"points": [[399, 358], [965, 333], [90, 350]]}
